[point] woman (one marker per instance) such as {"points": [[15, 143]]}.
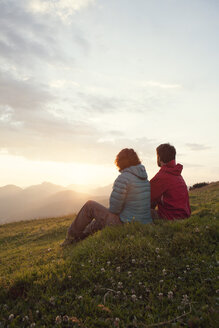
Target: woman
{"points": [[129, 200]]}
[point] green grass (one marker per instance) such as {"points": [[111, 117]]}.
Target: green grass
{"points": [[119, 277]]}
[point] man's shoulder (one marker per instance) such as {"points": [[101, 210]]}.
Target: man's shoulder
{"points": [[160, 175]]}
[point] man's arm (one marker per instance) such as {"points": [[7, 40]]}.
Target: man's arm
{"points": [[158, 187], [118, 195]]}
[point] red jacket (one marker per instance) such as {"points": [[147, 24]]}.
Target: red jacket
{"points": [[170, 193]]}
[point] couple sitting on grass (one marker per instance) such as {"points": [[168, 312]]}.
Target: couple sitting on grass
{"points": [[135, 198]]}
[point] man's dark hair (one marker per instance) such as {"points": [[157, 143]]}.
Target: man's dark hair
{"points": [[127, 157], [166, 152]]}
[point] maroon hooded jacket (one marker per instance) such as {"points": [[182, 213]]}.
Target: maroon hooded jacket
{"points": [[170, 193]]}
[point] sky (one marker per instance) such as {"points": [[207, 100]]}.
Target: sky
{"points": [[82, 79]]}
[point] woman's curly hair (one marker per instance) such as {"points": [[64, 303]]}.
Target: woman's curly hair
{"points": [[126, 157]]}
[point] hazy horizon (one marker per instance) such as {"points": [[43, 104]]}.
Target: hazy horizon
{"points": [[82, 79]]}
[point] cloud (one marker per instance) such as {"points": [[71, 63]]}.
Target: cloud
{"points": [[63, 9], [197, 147], [161, 85], [22, 94]]}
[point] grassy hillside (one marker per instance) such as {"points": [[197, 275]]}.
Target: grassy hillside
{"points": [[163, 274]]}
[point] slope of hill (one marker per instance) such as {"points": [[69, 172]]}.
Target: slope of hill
{"points": [[158, 275]]}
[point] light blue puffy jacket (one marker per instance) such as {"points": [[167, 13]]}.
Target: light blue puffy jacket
{"points": [[131, 196]]}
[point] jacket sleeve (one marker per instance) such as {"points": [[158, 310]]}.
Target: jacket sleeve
{"points": [[158, 187], [118, 195]]}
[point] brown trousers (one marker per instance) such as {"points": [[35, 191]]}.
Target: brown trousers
{"points": [[91, 218]]}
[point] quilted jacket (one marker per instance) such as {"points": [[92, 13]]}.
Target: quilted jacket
{"points": [[130, 197]]}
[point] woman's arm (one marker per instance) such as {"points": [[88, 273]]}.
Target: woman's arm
{"points": [[118, 194]]}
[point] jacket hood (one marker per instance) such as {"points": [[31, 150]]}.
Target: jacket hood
{"points": [[172, 168], [137, 170]]}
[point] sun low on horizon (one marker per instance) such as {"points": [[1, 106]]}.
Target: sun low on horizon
{"points": [[82, 79]]}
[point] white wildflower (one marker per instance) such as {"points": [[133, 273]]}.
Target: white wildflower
{"points": [[120, 284], [80, 297], [52, 300], [170, 294], [164, 271], [65, 318], [140, 283], [32, 325], [108, 262], [118, 269], [157, 250], [58, 319], [134, 297], [185, 299], [160, 296], [161, 281], [69, 277], [11, 316], [26, 318], [116, 322], [133, 261], [103, 270]]}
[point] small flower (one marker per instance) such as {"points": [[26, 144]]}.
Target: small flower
{"points": [[65, 318], [197, 229], [11, 317], [69, 277], [49, 249], [158, 256], [185, 299], [170, 295], [161, 281], [157, 250], [116, 322], [58, 319], [179, 278], [26, 318], [118, 269], [37, 312], [140, 283], [120, 284], [129, 273], [103, 270], [133, 261], [82, 265], [134, 297], [164, 271], [32, 325], [108, 262], [160, 296], [80, 297]]}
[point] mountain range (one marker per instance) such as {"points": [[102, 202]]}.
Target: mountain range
{"points": [[45, 200]]}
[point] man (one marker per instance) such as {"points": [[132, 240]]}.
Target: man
{"points": [[168, 189]]}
